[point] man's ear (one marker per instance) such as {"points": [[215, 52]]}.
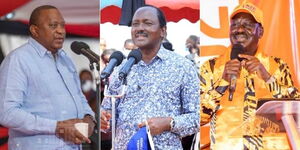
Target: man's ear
{"points": [[163, 34], [260, 31], [33, 30]]}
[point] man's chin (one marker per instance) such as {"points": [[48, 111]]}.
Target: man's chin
{"points": [[140, 44], [243, 43], [58, 45]]}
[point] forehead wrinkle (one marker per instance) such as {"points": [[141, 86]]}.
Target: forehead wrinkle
{"points": [[146, 12], [244, 16], [243, 20], [48, 15]]}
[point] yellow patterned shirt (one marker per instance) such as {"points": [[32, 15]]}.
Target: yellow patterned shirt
{"points": [[232, 123]]}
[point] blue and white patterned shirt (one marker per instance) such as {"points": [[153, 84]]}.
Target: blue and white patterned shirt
{"points": [[36, 91], [166, 87]]}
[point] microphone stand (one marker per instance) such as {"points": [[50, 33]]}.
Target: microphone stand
{"points": [[113, 108], [96, 71]]}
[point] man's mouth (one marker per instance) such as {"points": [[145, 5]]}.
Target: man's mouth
{"points": [[59, 39], [241, 37], [141, 35]]}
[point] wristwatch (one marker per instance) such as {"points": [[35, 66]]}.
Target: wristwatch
{"points": [[91, 117], [172, 124]]}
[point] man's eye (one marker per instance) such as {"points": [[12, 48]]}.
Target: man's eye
{"points": [[148, 23], [249, 26], [233, 25], [53, 26], [134, 24]]}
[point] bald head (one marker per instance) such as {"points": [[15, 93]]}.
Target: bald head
{"points": [[34, 17], [160, 15]]}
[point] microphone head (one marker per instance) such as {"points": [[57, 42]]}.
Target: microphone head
{"points": [[118, 56], [136, 54], [235, 51], [77, 46], [84, 45]]}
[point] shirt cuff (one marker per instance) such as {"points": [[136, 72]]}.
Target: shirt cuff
{"points": [[91, 117], [48, 126]]}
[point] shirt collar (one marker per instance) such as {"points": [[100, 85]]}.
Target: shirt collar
{"points": [[41, 50], [162, 53]]}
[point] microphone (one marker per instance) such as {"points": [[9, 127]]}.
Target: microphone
{"points": [[235, 51], [133, 58], [115, 59], [84, 49]]}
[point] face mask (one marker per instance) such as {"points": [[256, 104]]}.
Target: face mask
{"points": [[87, 85], [126, 51], [187, 49]]}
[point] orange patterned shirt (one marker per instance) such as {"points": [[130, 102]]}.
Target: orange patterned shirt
{"points": [[232, 123]]}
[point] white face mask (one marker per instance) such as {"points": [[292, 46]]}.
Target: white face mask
{"points": [[87, 85], [187, 49], [126, 51]]}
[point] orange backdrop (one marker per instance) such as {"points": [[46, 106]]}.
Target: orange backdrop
{"points": [[278, 40]]}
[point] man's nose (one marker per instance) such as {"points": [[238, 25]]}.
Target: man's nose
{"points": [[61, 30], [241, 28], [140, 27]]}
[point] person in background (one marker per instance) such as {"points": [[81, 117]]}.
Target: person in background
{"points": [[249, 76], [87, 87], [105, 60], [102, 45], [128, 47], [194, 57], [106, 54], [192, 44], [106, 137], [41, 100], [102, 48], [192, 41]]}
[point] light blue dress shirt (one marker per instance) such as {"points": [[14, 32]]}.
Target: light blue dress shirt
{"points": [[166, 87], [36, 91]]}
